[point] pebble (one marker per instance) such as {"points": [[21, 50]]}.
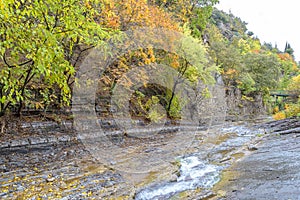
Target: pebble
{"points": [[20, 187], [63, 185], [113, 162], [51, 179]]}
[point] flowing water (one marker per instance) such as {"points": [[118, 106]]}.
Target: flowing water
{"points": [[194, 173], [202, 169], [68, 166]]}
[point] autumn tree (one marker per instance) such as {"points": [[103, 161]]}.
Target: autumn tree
{"points": [[288, 69], [130, 15], [40, 43], [195, 13]]}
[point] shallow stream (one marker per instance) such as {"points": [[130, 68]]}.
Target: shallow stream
{"points": [[65, 169], [202, 169]]}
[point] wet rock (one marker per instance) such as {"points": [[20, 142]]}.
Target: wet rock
{"points": [[17, 163], [66, 125], [225, 159], [3, 168], [37, 140], [285, 126], [203, 195], [113, 162], [64, 138], [173, 178], [148, 150], [289, 131], [252, 148], [52, 139], [2, 194], [16, 143], [4, 145], [19, 187], [271, 171], [62, 158]]}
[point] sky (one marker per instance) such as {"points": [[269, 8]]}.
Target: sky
{"points": [[272, 21]]}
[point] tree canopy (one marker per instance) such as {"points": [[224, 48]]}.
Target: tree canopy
{"points": [[44, 42]]}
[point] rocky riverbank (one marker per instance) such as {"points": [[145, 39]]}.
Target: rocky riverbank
{"points": [[271, 171], [257, 159]]}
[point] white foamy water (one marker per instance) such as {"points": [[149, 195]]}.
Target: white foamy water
{"points": [[194, 173], [241, 130]]}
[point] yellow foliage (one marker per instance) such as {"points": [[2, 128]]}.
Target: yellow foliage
{"points": [[246, 98], [175, 64], [279, 116], [230, 71], [276, 109], [123, 14], [244, 46], [289, 111], [295, 67], [288, 62], [286, 106], [292, 110], [285, 57], [295, 84]]}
